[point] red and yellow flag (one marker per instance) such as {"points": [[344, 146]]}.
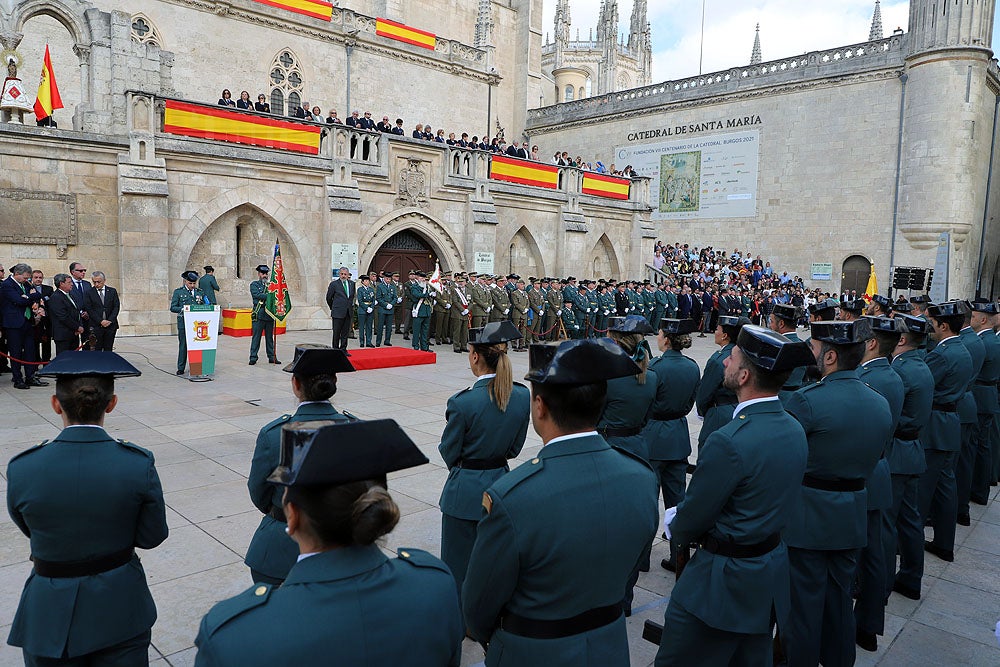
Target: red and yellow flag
{"points": [[48, 99], [212, 122], [605, 186], [314, 8], [404, 33], [278, 303], [524, 172]]}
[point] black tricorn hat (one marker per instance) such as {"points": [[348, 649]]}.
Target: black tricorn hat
{"points": [[80, 363], [854, 305], [842, 333], [902, 307], [574, 362], [988, 307], [190, 276], [785, 311], [630, 324], [331, 453], [316, 359], [674, 326], [917, 325], [733, 321], [771, 351], [821, 307], [493, 333], [883, 301], [887, 325], [262, 268], [947, 309], [920, 298]]}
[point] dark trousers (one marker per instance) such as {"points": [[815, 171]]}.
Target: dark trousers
{"points": [[938, 497], [906, 534], [820, 628], [263, 326], [69, 344], [458, 536], [21, 345], [365, 322], [982, 466], [182, 346], [441, 327], [673, 479], [460, 333], [105, 338], [964, 464], [43, 338], [129, 653], [383, 326], [687, 640], [420, 332], [341, 325], [869, 608]]}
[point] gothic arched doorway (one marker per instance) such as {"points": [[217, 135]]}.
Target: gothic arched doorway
{"points": [[403, 252], [855, 273]]}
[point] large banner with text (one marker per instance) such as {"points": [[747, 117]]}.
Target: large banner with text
{"points": [[699, 177]]}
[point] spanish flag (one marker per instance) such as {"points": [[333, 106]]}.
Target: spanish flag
{"points": [[221, 124], [404, 33], [314, 8], [524, 172], [605, 186], [48, 99]]}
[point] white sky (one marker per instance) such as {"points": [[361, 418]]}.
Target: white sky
{"points": [[787, 28]]}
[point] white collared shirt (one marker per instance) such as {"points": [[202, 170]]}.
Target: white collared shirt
{"points": [[571, 436], [302, 557], [753, 401], [486, 377]]}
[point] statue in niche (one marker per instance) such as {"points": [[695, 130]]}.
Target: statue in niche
{"points": [[14, 100]]}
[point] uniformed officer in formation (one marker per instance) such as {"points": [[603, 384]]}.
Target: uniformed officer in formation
{"points": [[421, 298], [828, 523], [480, 300], [188, 295], [459, 314], [784, 319], [344, 602], [985, 393], [500, 300], [536, 301], [442, 304], [968, 415], [314, 369], [722, 609], [668, 441], [386, 300], [366, 311], [553, 309], [86, 502], [714, 400], [519, 307], [263, 324], [562, 532], [486, 426]]}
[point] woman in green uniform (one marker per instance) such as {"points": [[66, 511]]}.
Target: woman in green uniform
{"points": [[87, 502], [716, 403], [666, 434], [630, 399], [272, 553], [487, 424], [344, 601]]}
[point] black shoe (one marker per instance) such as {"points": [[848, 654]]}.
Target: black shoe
{"points": [[252, 363], [980, 501], [369, 345], [387, 344], [964, 520], [347, 353], [20, 385], [666, 564], [906, 591], [944, 554], [406, 338], [867, 641], [457, 351], [35, 382], [180, 371], [273, 361]]}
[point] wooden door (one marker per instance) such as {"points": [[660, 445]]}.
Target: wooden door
{"points": [[403, 252]]}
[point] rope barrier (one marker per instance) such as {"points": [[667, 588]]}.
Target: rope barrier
{"points": [[31, 363]]}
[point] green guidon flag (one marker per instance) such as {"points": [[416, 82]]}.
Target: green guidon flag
{"points": [[278, 303]]}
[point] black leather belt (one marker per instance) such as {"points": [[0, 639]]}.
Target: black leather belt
{"points": [[718, 547], [278, 514], [669, 416], [717, 404], [482, 464], [622, 432], [986, 383], [833, 484], [945, 407], [906, 433], [82, 568], [565, 627]]}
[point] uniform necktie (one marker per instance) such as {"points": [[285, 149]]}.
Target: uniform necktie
{"points": [[71, 299], [27, 310]]}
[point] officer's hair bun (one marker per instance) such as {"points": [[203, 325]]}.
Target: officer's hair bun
{"points": [[352, 514], [374, 514]]}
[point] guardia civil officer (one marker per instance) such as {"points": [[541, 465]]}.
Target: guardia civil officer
{"points": [[714, 401], [722, 609], [985, 392], [314, 369], [486, 425], [188, 295], [874, 371], [828, 523], [563, 531], [344, 602], [262, 323], [629, 402], [86, 501], [784, 319], [968, 416], [952, 367], [906, 460], [668, 441], [422, 298], [852, 310]]}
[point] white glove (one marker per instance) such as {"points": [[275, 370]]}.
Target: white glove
{"points": [[388, 306], [558, 313], [465, 312], [576, 326], [541, 312], [506, 311], [489, 308], [588, 310], [606, 312], [369, 310], [447, 306], [667, 518], [399, 300]]}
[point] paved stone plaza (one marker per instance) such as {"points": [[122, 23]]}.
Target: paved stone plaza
{"points": [[203, 435]]}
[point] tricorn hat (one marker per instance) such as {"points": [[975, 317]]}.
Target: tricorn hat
{"points": [[316, 359], [574, 362], [842, 333], [80, 363], [771, 351], [493, 333], [631, 324], [674, 326]]}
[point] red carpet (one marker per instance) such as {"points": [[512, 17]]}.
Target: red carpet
{"points": [[365, 359]]}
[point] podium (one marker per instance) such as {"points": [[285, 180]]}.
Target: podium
{"points": [[201, 331]]}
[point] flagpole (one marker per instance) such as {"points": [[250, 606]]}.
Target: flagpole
{"points": [[701, 51]]}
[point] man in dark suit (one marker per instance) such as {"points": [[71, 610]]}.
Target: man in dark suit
{"points": [[340, 297], [684, 304], [43, 325], [16, 298], [78, 273], [102, 304], [65, 314]]}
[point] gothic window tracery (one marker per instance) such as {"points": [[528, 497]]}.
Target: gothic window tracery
{"points": [[285, 82], [144, 32]]}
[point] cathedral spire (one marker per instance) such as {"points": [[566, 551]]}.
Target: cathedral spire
{"points": [[484, 24], [755, 56], [563, 22], [639, 24], [876, 31]]}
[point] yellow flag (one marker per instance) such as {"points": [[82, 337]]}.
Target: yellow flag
{"points": [[872, 288], [48, 99]]}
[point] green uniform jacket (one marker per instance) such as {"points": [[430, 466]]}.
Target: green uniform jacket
{"points": [[385, 297], [564, 534], [906, 457], [569, 321], [271, 551], [476, 429], [500, 298], [878, 375], [536, 299], [366, 300], [671, 304], [967, 412], [352, 606], [182, 297], [715, 402], [648, 303], [553, 300], [80, 497], [797, 379], [741, 493], [838, 449], [519, 303], [416, 294], [985, 388], [629, 405], [606, 302], [479, 300], [666, 433], [209, 285], [258, 292], [442, 300], [951, 366]]}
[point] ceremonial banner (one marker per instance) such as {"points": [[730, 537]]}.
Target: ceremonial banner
{"points": [[278, 303], [605, 186], [872, 289], [315, 8], [48, 99], [404, 33], [201, 330], [212, 122], [524, 172], [435, 280]]}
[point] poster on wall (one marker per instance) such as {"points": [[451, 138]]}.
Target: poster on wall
{"points": [[704, 177], [344, 254], [484, 262]]}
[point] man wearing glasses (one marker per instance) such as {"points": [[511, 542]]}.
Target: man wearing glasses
{"points": [[78, 272]]}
